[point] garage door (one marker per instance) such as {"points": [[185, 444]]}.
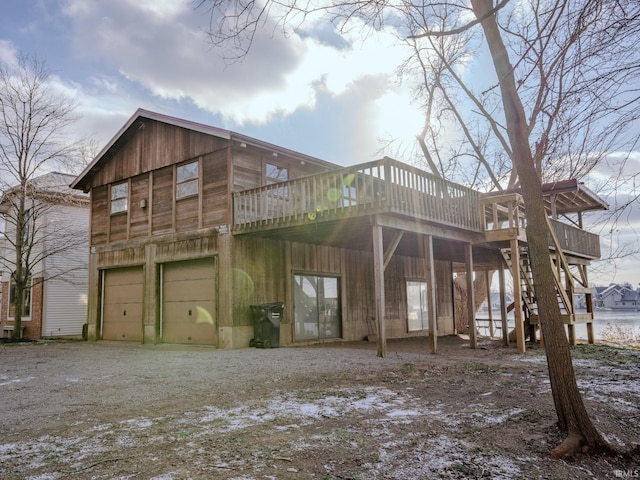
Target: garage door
{"points": [[122, 304], [189, 302]]}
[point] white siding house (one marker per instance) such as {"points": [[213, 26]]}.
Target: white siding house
{"points": [[58, 298]]}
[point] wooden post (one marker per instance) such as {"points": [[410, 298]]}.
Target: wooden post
{"points": [[517, 295], [588, 298], [503, 308], [572, 333], [378, 269], [489, 304], [431, 294], [471, 310]]}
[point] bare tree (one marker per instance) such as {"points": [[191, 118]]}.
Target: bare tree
{"points": [[34, 139], [560, 101]]}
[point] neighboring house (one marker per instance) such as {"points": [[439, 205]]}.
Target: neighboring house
{"points": [[193, 225], [56, 304], [620, 297], [597, 297]]}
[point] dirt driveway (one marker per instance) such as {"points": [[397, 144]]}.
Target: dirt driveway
{"points": [[115, 410]]}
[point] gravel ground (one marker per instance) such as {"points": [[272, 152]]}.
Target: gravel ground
{"points": [[44, 385], [336, 411]]}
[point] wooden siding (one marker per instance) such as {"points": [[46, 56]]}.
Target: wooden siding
{"points": [[215, 194], [187, 214], [187, 249], [99, 215], [247, 169], [162, 205], [249, 165], [151, 145], [153, 209], [258, 276], [139, 207], [118, 227], [261, 275]]}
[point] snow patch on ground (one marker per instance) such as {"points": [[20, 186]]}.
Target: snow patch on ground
{"points": [[379, 407]]}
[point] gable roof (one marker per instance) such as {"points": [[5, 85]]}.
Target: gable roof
{"points": [[126, 131], [53, 187]]}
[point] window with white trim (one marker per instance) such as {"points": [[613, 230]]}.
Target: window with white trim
{"points": [[119, 197], [187, 180]]}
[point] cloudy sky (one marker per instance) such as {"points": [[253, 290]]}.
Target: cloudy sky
{"points": [[315, 92]]}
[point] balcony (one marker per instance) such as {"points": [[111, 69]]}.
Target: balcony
{"points": [[505, 219], [381, 187], [388, 187]]}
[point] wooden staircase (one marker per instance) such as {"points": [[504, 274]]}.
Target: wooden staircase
{"points": [[570, 280]]}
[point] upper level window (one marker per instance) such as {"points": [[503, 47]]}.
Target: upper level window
{"points": [[119, 197], [187, 180], [276, 174]]}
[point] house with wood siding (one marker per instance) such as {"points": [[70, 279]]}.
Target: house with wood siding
{"points": [[56, 303], [192, 225]]}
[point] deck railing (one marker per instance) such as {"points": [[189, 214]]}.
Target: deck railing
{"points": [[574, 240], [375, 187], [504, 213], [389, 186]]}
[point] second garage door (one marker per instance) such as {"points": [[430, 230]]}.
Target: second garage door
{"points": [[189, 307], [122, 304]]}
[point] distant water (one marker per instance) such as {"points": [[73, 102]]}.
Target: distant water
{"points": [[606, 322], [607, 325]]}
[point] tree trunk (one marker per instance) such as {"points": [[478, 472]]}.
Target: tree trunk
{"points": [[18, 274], [572, 414], [460, 299]]}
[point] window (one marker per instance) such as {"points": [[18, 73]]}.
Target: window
{"points": [[26, 296], [119, 197], [417, 312], [276, 174], [187, 180]]}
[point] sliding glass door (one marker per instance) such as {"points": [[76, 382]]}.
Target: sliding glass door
{"points": [[317, 307]]}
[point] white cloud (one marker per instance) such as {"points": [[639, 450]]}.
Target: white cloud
{"points": [[160, 46], [8, 53]]}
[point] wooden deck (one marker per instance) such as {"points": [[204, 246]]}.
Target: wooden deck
{"points": [[380, 187], [353, 194]]}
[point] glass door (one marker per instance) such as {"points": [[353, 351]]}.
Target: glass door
{"points": [[417, 318], [317, 307]]}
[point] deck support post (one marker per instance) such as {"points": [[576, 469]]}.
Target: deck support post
{"points": [[503, 308], [487, 277], [378, 269], [431, 294], [517, 295], [471, 307]]}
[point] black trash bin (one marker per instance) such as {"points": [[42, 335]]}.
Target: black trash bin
{"points": [[266, 324]]}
